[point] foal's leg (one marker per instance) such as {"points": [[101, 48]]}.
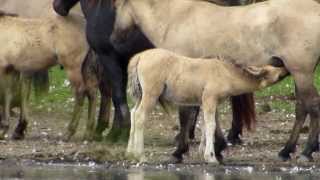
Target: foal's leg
{"points": [[19, 132], [132, 128], [116, 72], [144, 109], [77, 109], [209, 109]]}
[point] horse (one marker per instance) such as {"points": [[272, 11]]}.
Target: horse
{"points": [[100, 19], [259, 33], [42, 43], [160, 75]]}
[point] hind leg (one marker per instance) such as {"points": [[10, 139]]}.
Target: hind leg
{"points": [[19, 132], [301, 114], [308, 102], [146, 105], [117, 75]]}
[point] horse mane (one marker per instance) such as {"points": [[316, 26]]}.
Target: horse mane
{"points": [[4, 13]]}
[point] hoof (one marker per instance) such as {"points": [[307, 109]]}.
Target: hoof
{"points": [[235, 141], [304, 159], [17, 136], [174, 160], [284, 156]]}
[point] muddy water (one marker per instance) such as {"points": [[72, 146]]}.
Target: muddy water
{"points": [[12, 170]]}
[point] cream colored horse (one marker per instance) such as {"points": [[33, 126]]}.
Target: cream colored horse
{"points": [[32, 45], [259, 33], [162, 75]]}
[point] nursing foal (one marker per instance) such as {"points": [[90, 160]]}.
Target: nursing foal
{"points": [[159, 75]]}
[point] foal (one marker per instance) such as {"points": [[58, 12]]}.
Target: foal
{"points": [[160, 75]]}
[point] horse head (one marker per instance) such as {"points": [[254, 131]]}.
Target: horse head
{"points": [[267, 75], [124, 25], [62, 7]]}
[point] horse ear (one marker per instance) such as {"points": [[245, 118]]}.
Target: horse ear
{"points": [[256, 71]]}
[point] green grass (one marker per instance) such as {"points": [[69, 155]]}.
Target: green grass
{"points": [[283, 88], [60, 96]]}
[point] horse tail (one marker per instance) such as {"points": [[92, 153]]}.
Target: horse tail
{"points": [[40, 82], [134, 84], [244, 111]]}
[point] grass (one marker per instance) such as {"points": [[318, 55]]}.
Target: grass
{"points": [[60, 96]]}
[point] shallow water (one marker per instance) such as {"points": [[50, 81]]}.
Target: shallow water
{"points": [[94, 172]]}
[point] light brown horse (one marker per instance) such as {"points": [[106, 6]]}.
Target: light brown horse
{"points": [[276, 29], [159, 75], [32, 45]]}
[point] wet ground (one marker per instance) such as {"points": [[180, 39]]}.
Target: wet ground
{"points": [[256, 158]]}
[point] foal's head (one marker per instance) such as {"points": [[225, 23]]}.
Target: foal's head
{"points": [[62, 7], [124, 24], [266, 75]]}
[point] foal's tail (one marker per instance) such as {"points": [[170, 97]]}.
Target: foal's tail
{"points": [[134, 83]]}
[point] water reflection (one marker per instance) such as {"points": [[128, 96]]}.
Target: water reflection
{"points": [[28, 171]]}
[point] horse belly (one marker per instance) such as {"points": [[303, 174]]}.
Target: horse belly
{"points": [[183, 93]]}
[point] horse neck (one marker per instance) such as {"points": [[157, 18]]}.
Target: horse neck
{"points": [[242, 82], [152, 23]]}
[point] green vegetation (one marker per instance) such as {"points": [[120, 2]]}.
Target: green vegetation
{"points": [[60, 94], [60, 97]]}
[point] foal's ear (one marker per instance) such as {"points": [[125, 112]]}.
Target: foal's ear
{"points": [[256, 71]]}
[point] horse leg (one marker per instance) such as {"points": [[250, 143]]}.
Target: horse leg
{"points": [[209, 109], [243, 112], [19, 132], [4, 124], [77, 109], [220, 143], [91, 124], [186, 118], [146, 105], [193, 116], [117, 75], [105, 110], [313, 108], [301, 114], [132, 128]]}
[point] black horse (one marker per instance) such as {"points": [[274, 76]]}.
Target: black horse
{"points": [[100, 17]]}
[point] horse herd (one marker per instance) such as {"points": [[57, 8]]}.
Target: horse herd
{"points": [[212, 52]]}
